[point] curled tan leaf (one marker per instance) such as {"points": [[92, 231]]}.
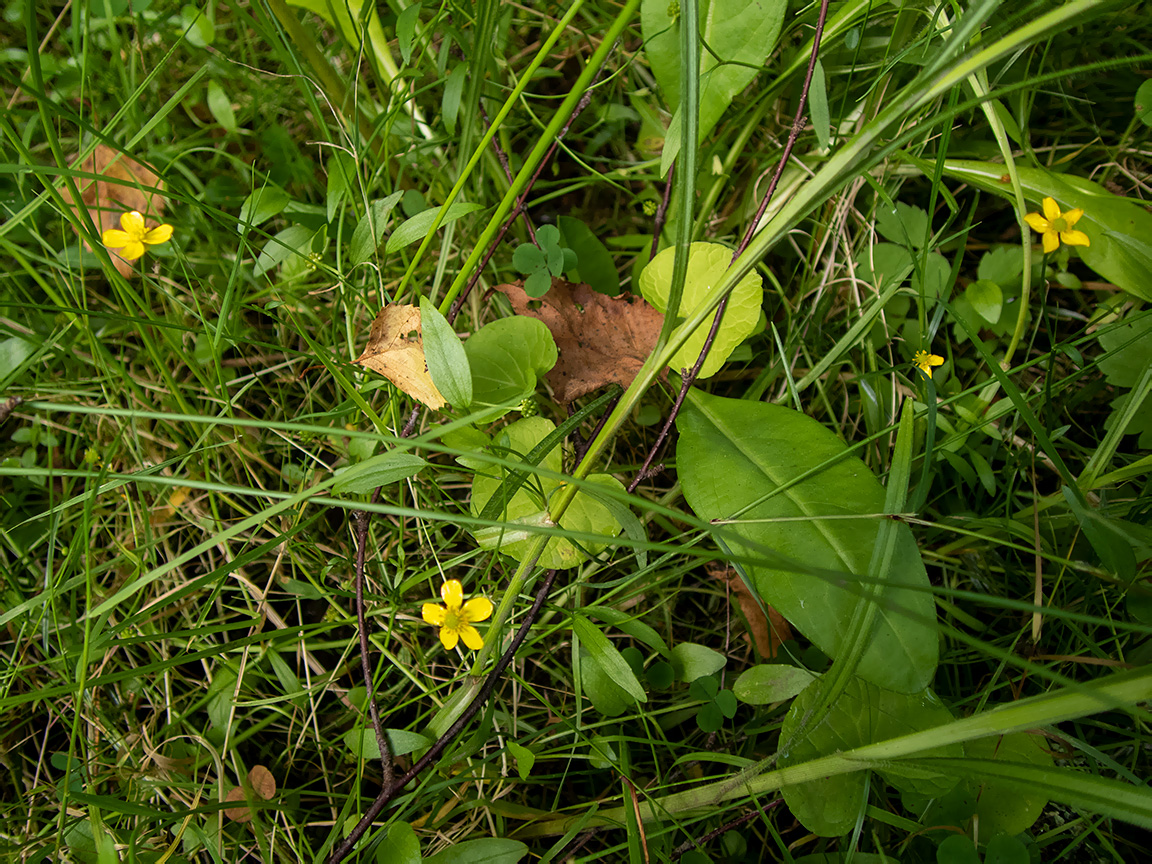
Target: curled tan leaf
{"points": [[120, 184], [395, 349]]}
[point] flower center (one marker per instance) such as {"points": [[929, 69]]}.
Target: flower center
{"points": [[1059, 224], [453, 620]]}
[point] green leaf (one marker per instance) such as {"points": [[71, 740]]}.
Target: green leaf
{"points": [[220, 106], [362, 743], [380, 470], [524, 757], [527, 507], [818, 107], [399, 846], [1006, 849], [445, 355], [1117, 228], [905, 226], [13, 352], [197, 29], [986, 298], [692, 661], [293, 240], [771, 682], [1129, 350], [260, 206], [528, 258], [341, 169], [487, 850], [626, 623], [537, 284], [606, 696], [1143, 103], [957, 849], [605, 654], [740, 36], [884, 265], [1011, 779], [707, 263], [594, 262], [453, 92], [418, 227], [370, 229], [862, 714], [782, 473], [406, 30], [507, 357]]}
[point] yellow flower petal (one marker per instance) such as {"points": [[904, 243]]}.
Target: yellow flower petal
{"points": [[1037, 222], [159, 234], [114, 238], [1074, 238], [433, 614], [133, 223], [477, 609], [1051, 209], [133, 250], [1051, 242], [449, 637], [452, 594], [471, 637], [1073, 216]]}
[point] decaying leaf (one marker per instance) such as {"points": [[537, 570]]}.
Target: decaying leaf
{"points": [[396, 350], [122, 184], [767, 631], [602, 340], [263, 786]]}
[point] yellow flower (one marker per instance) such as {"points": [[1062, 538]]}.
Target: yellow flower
{"points": [[455, 621], [135, 237], [1056, 227], [925, 361]]}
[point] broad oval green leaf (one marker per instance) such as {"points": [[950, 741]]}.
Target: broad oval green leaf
{"points": [[418, 226], [806, 510], [986, 298], [507, 357], [1004, 808], [740, 35], [378, 471], [527, 508], [486, 850], [606, 696], [1118, 229], [363, 744], [399, 846], [862, 714], [444, 353], [692, 661], [771, 682], [293, 240], [260, 206], [706, 265]]}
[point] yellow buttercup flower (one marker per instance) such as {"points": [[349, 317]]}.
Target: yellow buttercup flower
{"points": [[455, 618], [135, 238], [1055, 227], [925, 361]]}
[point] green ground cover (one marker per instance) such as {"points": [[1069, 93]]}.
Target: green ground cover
{"points": [[373, 511]]}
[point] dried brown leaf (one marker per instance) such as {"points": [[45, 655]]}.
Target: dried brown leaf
{"points": [[396, 350], [121, 184], [767, 631], [263, 785], [601, 340]]}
